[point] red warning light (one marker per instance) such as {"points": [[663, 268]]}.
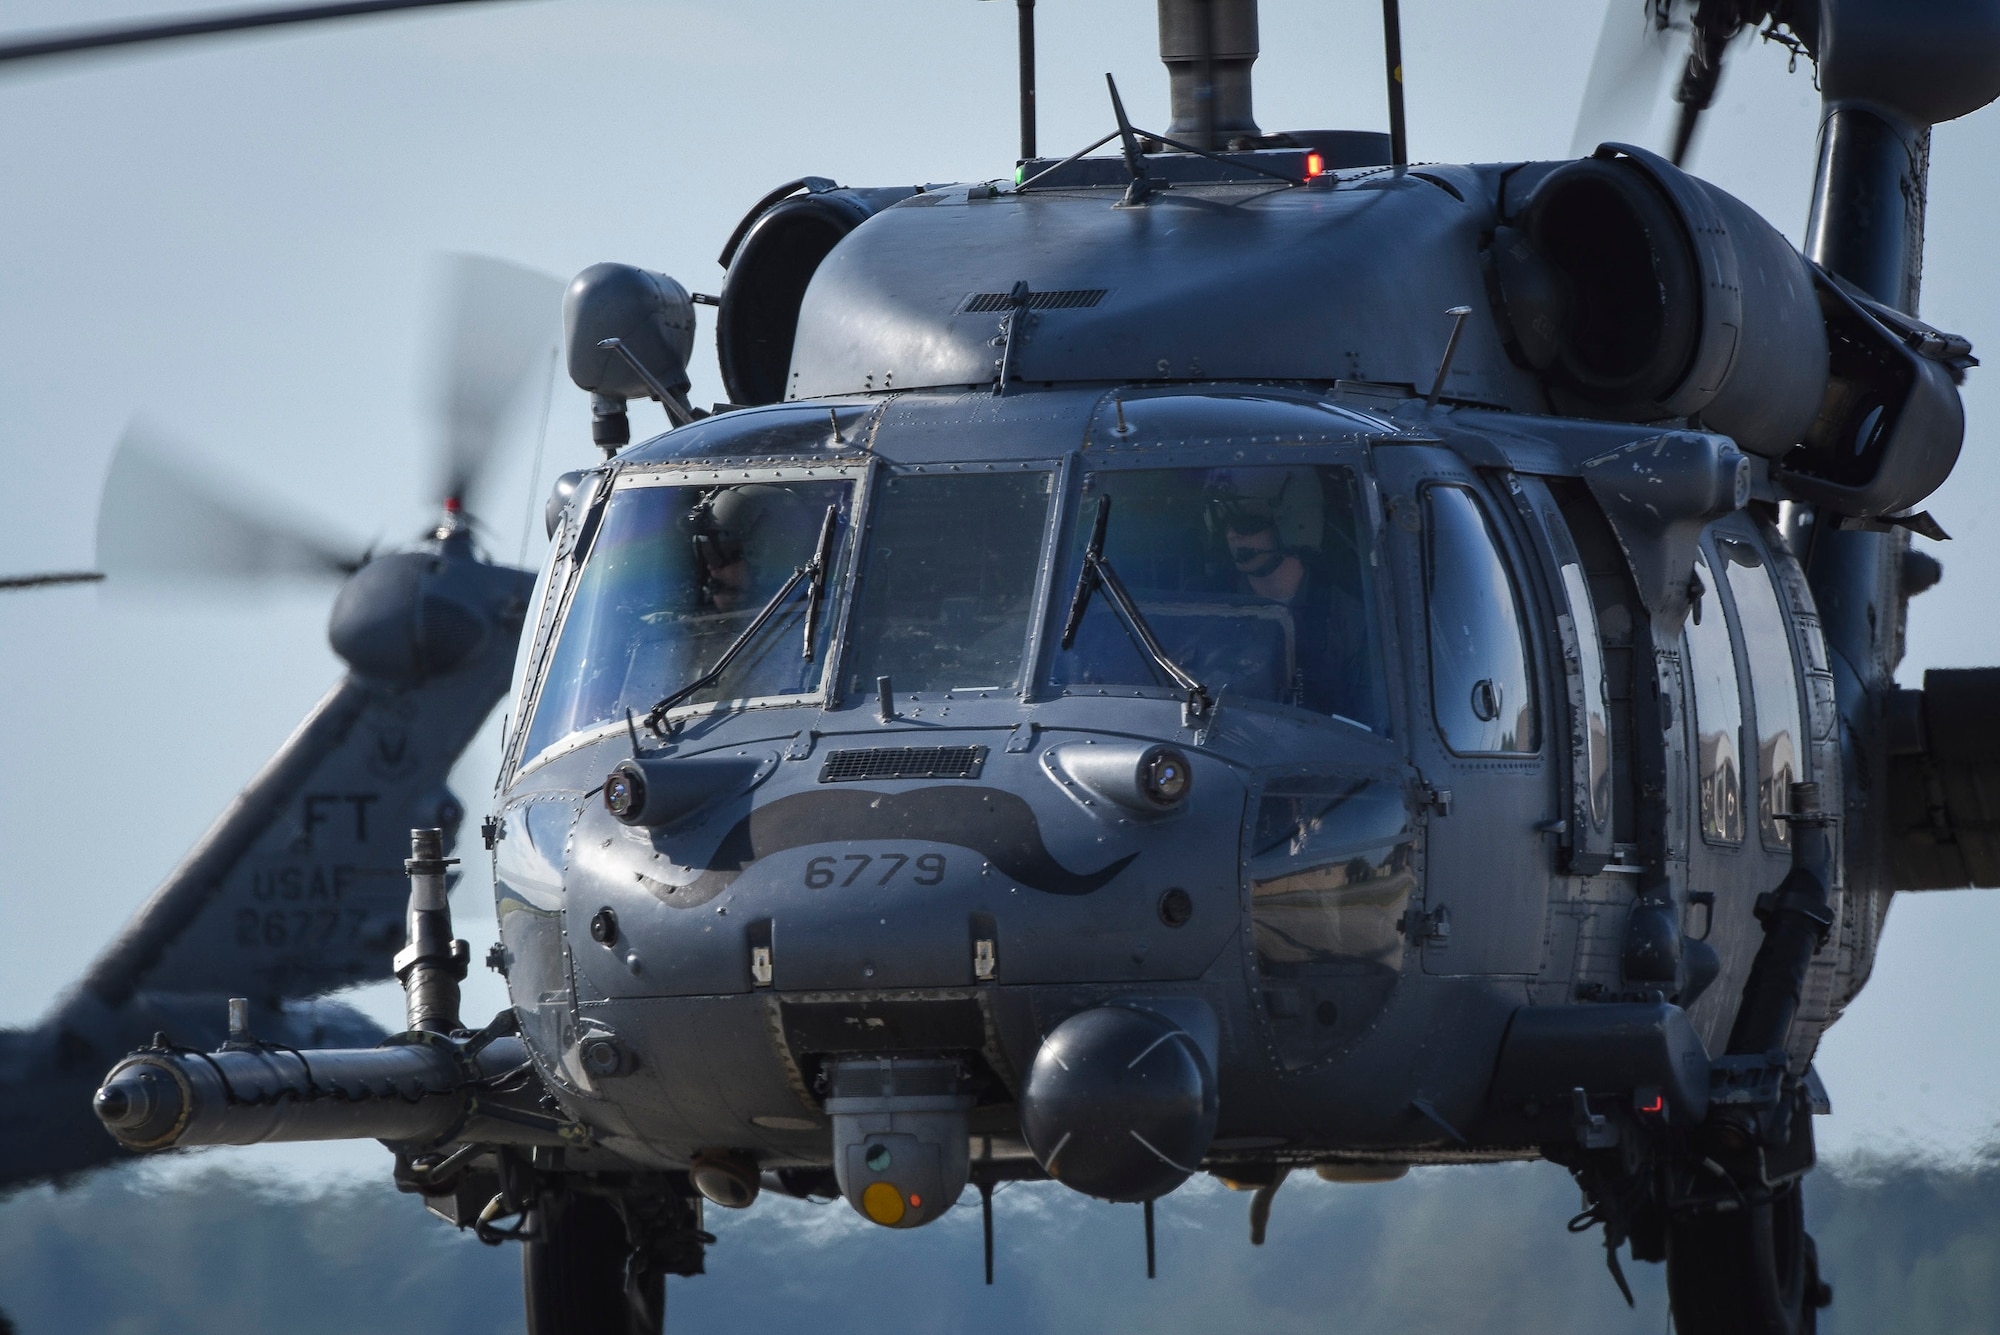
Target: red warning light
{"points": [[916, 1201], [1655, 1106], [1315, 164]]}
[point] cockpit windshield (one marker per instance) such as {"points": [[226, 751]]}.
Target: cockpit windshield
{"points": [[1251, 578], [1253, 581], [676, 574], [948, 582]]}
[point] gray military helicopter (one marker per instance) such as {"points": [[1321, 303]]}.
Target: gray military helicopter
{"points": [[297, 890], [1242, 655]]}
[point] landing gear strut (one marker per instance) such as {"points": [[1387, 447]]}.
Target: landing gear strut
{"points": [[582, 1275], [1752, 1270], [1721, 1200]]}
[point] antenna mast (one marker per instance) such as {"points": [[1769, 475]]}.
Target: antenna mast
{"points": [[1027, 11], [1392, 59]]}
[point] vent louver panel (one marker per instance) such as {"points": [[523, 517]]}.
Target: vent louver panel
{"points": [[1068, 299], [904, 762]]}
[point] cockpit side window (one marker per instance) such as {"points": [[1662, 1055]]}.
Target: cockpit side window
{"points": [[1718, 711], [1482, 686], [676, 573], [1774, 685], [1254, 579], [540, 605]]}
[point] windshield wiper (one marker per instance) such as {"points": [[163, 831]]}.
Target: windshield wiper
{"points": [[1098, 574], [816, 572], [813, 570]]}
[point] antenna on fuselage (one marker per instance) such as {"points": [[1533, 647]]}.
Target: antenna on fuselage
{"points": [[1392, 61], [1026, 9]]}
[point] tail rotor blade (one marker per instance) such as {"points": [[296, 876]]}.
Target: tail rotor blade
{"points": [[162, 520], [500, 324]]}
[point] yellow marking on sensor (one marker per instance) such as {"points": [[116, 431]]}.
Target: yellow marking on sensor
{"points": [[883, 1203]]}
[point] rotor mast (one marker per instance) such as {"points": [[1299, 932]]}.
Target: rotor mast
{"points": [[1208, 47], [1887, 73]]}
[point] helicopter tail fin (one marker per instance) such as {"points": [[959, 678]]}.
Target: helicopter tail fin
{"points": [[299, 887]]}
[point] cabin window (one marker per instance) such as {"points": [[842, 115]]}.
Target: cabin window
{"points": [[1594, 723], [676, 574], [1254, 581], [1482, 688], [948, 582], [1774, 687], [1718, 711]]}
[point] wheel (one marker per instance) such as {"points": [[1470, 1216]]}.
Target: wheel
{"points": [[1751, 1271], [575, 1273]]}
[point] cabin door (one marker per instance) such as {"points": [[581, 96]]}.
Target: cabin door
{"points": [[1481, 720]]}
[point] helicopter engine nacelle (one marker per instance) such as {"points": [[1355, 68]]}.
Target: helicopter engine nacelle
{"points": [[771, 259], [1642, 293]]}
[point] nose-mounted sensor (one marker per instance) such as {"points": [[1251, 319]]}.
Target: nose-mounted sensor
{"points": [[656, 790], [1164, 776], [625, 793]]}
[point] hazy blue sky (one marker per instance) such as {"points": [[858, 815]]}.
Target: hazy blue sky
{"points": [[233, 242]]}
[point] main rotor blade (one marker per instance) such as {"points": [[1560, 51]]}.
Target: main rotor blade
{"points": [[1628, 75], [1714, 28], [9, 583], [498, 333], [162, 520], [203, 25]]}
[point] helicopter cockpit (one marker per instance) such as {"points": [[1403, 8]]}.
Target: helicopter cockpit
{"points": [[955, 581]]}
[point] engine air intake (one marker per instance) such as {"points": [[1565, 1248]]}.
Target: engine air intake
{"points": [[904, 762]]}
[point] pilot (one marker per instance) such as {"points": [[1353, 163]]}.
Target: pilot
{"points": [[1270, 522], [738, 534]]}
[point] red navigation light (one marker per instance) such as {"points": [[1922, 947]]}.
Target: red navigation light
{"points": [[1315, 164], [1655, 1106]]}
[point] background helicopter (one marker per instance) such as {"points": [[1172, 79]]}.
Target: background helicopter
{"points": [[294, 891], [689, 268]]}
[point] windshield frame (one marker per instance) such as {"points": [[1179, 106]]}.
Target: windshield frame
{"points": [[859, 475], [1065, 553]]}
